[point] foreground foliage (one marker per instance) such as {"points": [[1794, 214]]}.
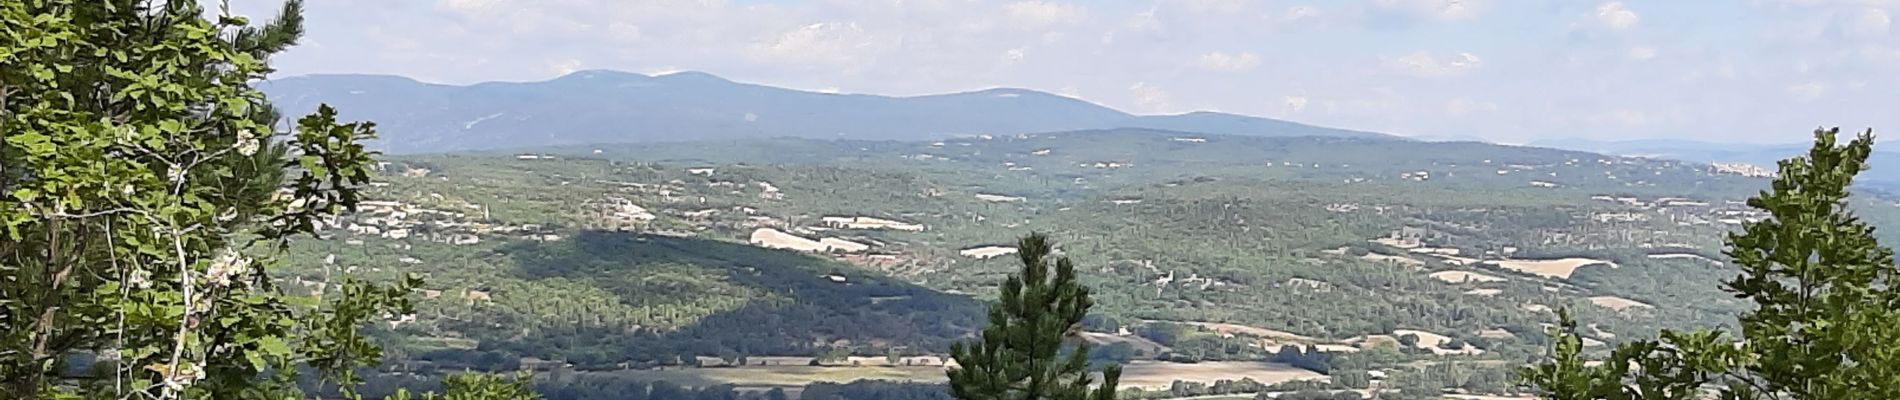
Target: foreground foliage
{"points": [[1019, 356], [1824, 327], [143, 193]]}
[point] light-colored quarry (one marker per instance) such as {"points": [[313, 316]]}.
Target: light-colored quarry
{"points": [[776, 239], [1464, 277], [1618, 303], [987, 252], [842, 222], [997, 198]]}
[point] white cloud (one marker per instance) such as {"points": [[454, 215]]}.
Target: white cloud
{"points": [[1866, 22], [657, 71], [1297, 13], [624, 31], [1642, 52], [1151, 97], [1219, 61], [1214, 6], [1807, 92], [1565, 86], [1294, 104], [824, 43], [1044, 13], [1447, 10], [567, 66], [1623, 117], [1014, 55], [1616, 16], [1887, 56], [1144, 21], [1423, 64], [1464, 105], [467, 6]]}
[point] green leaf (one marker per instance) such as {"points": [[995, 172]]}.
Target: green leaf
{"points": [[273, 345], [257, 361]]}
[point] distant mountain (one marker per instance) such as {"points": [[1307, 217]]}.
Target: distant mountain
{"points": [[1884, 163], [1762, 154], [1450, 138], [619, 107], [1689, 150]]}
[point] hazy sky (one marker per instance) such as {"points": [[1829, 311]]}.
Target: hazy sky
{"points": [[1506, 70]]}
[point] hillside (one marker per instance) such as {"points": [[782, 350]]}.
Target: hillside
{"points": [[500, 294], [1202, 248], [621, 107], [1884, 173]]}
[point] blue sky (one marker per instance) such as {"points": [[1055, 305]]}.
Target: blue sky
{"points": [[1504, 70]]}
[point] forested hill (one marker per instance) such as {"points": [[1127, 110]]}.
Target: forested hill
{"points": [[621, 107], [599, 300]]}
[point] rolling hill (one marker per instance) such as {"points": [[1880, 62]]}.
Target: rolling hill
{"points": [[1884, 163], [619, 107], [630, 259]]}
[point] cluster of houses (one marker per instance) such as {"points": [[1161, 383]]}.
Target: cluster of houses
{"points": [[839, 222], [1743, 169], [398, 221], [1106, 165], [1681, 211], [618, 212]]}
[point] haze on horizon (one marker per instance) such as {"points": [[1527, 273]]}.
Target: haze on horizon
{"points": [[1506, 71]]}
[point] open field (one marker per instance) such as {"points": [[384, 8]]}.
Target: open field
{"points": [[1696, 257], [1140, 344], [781, 375], [1237, 329], [1159, 375], [1559, 269], [1618, 303], [1464, 277]]}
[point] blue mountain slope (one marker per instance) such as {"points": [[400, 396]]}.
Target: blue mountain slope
{"points": [[620, 107], [1883, 173]]}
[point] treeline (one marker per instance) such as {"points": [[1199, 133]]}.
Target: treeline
{"points": [[607, 387]]}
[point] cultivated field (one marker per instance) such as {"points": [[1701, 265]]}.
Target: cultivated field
{"points": [[765, 377], [1463, 277], [1236, 329], [1140, 344], [1159, 375], [1560, 269], [1618, 303]]}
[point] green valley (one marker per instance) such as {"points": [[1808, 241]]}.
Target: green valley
{"points": [[1431, 264]]}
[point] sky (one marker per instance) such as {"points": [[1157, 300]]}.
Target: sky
{"points": [[1511, 71]]}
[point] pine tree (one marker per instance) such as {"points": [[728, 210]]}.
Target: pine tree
{"points": [[1827, 305], [1020, 355]]}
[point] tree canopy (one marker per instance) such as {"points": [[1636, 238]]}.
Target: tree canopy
{"points": [[1020, 354], [1826, 305], [145, 188]]}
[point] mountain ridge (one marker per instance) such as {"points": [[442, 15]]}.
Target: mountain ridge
{"points": [[603, 106]]}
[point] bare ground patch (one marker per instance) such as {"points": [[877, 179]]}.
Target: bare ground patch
{"points": [[1560, 268]]}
